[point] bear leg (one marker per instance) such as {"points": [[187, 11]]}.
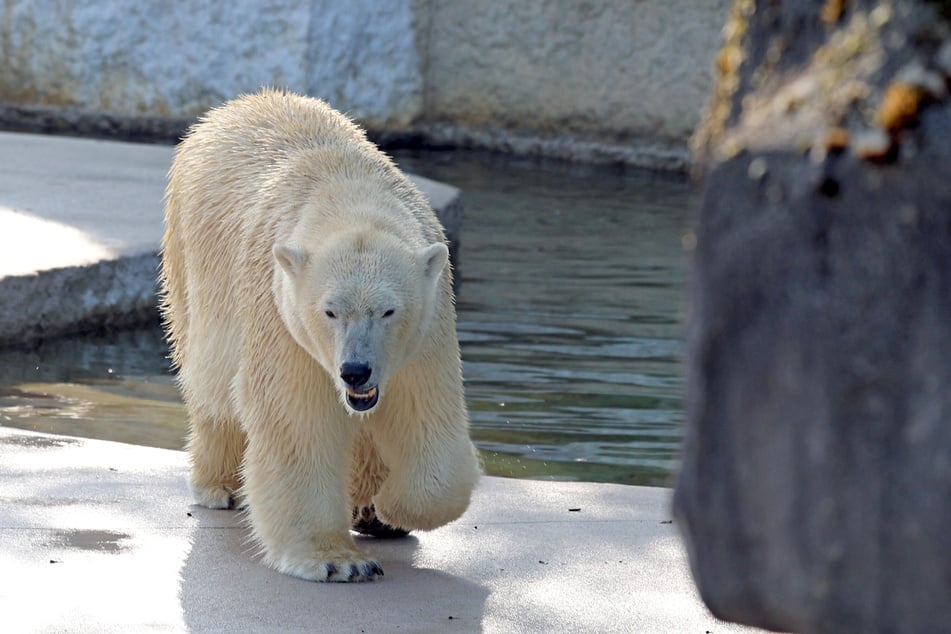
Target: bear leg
{"points": [[367, 473], [300, 512], [215, 450]]}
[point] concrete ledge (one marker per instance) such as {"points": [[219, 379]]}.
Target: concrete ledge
{"points": [[98, 536], [105, 294], [635, 151], [81, 226], [640, 152]]}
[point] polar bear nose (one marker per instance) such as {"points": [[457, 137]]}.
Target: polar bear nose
{"points": [[355, 374]]}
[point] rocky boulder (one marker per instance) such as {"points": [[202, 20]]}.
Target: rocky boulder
{"points": [[815, 491]]}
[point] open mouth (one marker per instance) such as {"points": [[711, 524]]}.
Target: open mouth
{"points": [[362, 401]]}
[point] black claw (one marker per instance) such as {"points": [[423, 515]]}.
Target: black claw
{"points": [[331, 570], [352, 572], [232, 502]]}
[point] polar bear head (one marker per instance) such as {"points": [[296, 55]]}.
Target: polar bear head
{"points": [[360, 303]]}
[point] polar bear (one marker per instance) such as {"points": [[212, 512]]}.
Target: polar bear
{"points": [[307, 298]]}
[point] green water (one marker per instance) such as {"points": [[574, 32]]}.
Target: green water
{"points": [[570, 312]]}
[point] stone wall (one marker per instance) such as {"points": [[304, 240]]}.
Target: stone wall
{"points": [[157, 58], [602, 72], [605, 67]]}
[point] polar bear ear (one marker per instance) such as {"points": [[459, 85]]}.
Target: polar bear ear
{"points": [[432, 260], [291, 260]]}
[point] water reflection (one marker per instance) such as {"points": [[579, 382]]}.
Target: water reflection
{"points": [[114, 386], [569, 315]]}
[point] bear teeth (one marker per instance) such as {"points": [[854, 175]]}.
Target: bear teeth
{"points": [[362, 396], [362, 401]]}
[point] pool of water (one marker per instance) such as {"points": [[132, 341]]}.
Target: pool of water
{"points": [[570, 310]]}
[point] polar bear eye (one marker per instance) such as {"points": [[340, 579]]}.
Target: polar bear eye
{"points": [[388, 313], [330, 314]]}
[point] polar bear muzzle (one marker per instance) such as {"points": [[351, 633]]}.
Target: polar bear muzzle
{"points": [[360, 396]]}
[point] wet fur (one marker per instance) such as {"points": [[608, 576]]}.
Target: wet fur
{"points": [[268, 426]]}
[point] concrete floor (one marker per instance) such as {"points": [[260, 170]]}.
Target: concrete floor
{"points": [[98, 536]]}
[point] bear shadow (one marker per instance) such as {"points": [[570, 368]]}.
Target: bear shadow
{"points": [[225, 585]]}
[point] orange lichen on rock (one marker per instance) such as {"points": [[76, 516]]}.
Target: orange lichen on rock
{"points": [[727, 60], [899, 107], [832, 10], [836, 139]]}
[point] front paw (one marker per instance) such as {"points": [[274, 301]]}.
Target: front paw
{"points": [[332, 566], [413, 512]]}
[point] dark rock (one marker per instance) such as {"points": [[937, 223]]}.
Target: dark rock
{"points": [[815, 492]]}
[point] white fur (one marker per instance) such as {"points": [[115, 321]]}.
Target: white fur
{"points": [[289, 240]]}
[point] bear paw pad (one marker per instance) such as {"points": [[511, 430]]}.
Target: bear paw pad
{"points": [[366, 522]]}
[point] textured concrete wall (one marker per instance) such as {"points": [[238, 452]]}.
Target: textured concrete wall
{"points": [[614, 67], [156, 58], [608, 69]]}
